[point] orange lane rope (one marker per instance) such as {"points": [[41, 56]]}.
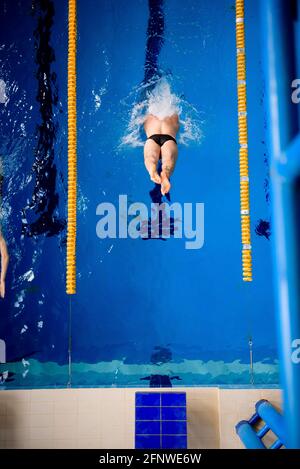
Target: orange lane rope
{"points": [[243, 142], [72, 154]]}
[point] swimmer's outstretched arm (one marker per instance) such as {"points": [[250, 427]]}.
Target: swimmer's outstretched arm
{"points": [[4, 265]]}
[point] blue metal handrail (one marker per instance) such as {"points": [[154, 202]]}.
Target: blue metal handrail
{"points": [[252, 436], [284, 147]]}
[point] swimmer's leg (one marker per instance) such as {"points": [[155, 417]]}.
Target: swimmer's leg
{"points": [[169, 154], [151, 157]]}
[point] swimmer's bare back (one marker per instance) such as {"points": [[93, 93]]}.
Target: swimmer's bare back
{"points": [[161, 143]]}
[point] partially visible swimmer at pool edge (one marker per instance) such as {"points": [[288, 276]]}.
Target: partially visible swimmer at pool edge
{"points": [[4, 264]]}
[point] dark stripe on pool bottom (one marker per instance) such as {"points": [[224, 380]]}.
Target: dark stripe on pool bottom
{"points": [[155, 41], [39, 216]]}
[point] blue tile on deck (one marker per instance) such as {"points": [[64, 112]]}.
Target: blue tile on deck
{"points": [[173, 399], [147, 413], [147, 442], [173, 413], [147, 427], [174, 428], [174, 442], [147, 399]]}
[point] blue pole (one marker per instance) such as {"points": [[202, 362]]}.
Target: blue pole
{"points": [[254, 419], [279, 68], [276, 445], [248, 436], [273, 419], [262, 431]]}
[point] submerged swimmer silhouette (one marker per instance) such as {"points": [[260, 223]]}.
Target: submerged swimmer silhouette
{"points": [[161, 144]]}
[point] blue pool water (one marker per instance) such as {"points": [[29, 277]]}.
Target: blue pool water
{"points": [[147, 312]]}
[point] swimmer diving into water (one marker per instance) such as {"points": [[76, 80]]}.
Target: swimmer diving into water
{"points": [[161, 144]]}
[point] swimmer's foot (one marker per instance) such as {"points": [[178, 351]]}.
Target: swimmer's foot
{"points": [[154, 176], [165, 183]]}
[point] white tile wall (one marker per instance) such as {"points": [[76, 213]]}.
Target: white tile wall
{"points": [[104, 418], [236, 405]]}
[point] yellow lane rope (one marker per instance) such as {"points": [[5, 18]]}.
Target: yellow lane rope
{"points": [[243, 142], [72, 153]]}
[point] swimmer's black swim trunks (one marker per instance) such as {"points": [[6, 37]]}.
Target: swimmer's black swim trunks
{"points": [[160, 139]]}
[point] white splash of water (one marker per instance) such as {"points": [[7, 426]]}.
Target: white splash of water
{"points": [[25, 363], [83, 202], [191, 131], [24, 329], [97, 97], [20, 299], [97, 102], [23, 130], [162, 102], [98, 93], [3, 377], [137, 119], [3, 95], [29, 276]]}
